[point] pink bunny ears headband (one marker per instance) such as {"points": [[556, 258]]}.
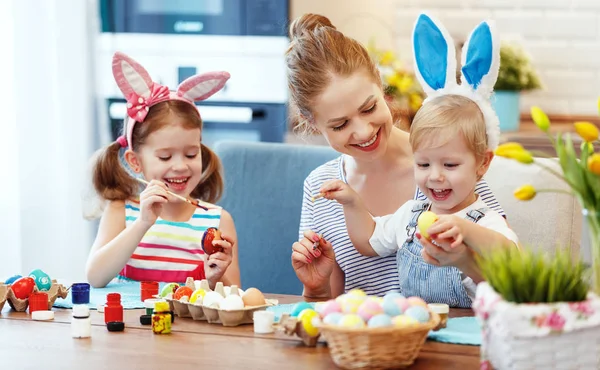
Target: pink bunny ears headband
{"points": [[142, 93], [435, 67]]}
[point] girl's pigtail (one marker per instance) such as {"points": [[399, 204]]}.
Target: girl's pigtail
{"points": [[210, 188], [110, 179]]}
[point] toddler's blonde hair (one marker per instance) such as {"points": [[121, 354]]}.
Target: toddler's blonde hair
{"points": [[444, 118]]}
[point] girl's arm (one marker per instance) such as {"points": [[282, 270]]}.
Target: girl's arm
{"points": [[232, 273], [113, 246]]}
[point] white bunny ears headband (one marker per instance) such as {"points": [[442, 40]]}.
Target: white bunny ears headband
{"points": [[435, 67], [141, 92]]}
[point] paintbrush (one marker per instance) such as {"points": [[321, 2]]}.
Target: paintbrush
{"points": [[318, 196], [190, 201]]}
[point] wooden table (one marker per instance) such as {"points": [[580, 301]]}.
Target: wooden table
{"points": [[27, 344]]}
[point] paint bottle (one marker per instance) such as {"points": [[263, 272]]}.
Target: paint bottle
{"points": [[113, 310], [81, 323]]}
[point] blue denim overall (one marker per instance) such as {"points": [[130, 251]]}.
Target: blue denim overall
{"points": [[432, 283]]}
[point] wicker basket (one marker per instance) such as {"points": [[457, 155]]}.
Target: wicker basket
{"points": [[379, 348]]}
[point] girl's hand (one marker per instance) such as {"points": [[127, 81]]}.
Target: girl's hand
{"points": [[339, 191], [151, 201], [313, 266], [216, 264]]}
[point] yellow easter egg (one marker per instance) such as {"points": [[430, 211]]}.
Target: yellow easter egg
{"points": [[198, 293], [426, 219], [352, 302], [403, 321], [357, 292], [306, 318], [351, 321]]}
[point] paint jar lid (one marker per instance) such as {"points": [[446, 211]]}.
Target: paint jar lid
{"points": [[113, 297], [115, 326], [80, 287], [81, 311], [146, 319]]}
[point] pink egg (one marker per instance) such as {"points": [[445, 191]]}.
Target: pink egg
{"points": [[403, 303], [416, 301], [330, 306], [369, 308]]}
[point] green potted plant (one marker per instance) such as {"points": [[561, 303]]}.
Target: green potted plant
{"points": [[536, 311], [516, 74]]}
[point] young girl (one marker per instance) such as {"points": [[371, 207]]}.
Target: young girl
{"points": [[157, 236], [452, 137]]}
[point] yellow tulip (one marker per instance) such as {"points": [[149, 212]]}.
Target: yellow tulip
{"points": [[540, 118], [525, 192], [508, 147], [594, 163], [514, 151], [587, 147], [522, 156], [599, 105], [587, 130]]}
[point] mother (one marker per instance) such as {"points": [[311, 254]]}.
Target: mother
{"points": [[336, 90]]}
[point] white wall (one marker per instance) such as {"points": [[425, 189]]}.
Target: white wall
{"points": [[49, 144], [562, 36]]}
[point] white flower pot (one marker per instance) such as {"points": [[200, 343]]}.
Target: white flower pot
{"points": [[537, 336]]}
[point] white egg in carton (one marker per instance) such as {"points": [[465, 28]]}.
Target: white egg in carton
{"points": [[224, 305]]}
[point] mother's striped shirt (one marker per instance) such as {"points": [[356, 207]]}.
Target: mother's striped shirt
{"points": [[374, 275]]}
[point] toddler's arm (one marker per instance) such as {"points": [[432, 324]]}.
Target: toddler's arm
{"points": [[359, 222]]}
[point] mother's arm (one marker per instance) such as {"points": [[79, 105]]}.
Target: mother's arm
{"points": [[488, 197], [314, 267]]}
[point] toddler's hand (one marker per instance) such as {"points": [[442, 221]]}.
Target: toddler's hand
{"points": [[151, 201], [339, 191], [442, 254], [448, 229], [217, 263]]}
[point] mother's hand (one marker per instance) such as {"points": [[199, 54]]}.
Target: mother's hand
{"points": [[313, 266]]}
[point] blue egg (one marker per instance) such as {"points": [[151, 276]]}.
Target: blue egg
{"points": [[380, 321], [12, 279], [299, 307], [42, 280], [392, 295], [391, 308], [333, 318], [418, 313]]}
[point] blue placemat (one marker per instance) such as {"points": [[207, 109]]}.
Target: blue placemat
{"points": [[130, 295], [460, 330], [281, 309]]}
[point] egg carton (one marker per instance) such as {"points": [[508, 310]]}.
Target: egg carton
{"points": [[3, 295], [213, 315], [20, 305]]}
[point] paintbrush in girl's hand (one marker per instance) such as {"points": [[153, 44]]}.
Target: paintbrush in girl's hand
{"points": [[190, 201]]}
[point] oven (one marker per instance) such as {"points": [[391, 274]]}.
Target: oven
{"points": [[175, 39]]}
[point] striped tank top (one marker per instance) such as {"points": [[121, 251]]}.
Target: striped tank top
{"points": [[169, 251], [374, 275]]}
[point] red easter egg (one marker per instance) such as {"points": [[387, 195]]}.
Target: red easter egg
{"points": [[182, 291], [23, 287], [209, 235]]}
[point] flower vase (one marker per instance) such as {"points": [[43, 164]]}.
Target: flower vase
{"points": [[561, 335], [592, 219]]}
